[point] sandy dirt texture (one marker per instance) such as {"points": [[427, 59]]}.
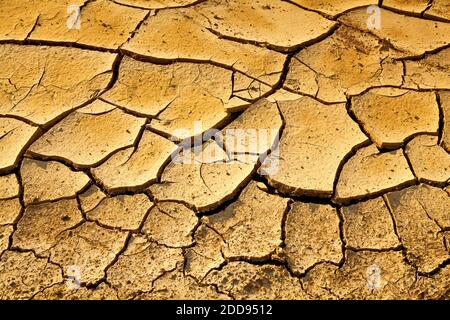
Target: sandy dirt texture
{"points": [[224, 149]]}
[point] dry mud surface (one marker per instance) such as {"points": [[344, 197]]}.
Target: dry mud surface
{"points": [[347, 196]]}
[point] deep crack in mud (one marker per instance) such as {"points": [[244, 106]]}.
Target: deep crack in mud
{"points": [[224, 149]]}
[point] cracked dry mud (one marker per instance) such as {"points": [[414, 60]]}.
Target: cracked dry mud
{"points": [[342, 193]]}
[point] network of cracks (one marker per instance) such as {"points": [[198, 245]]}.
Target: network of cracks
{"points": [[347, 196]]}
